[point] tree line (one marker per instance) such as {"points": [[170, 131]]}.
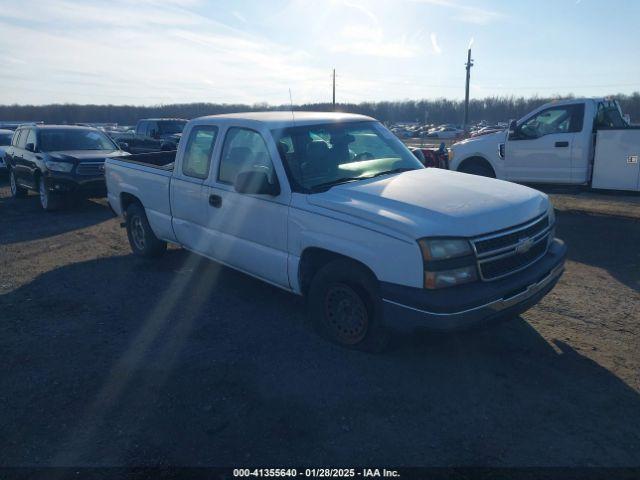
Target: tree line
{"points": [[492, 109]]}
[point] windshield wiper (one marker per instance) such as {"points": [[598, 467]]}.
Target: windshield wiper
{"points": [[327, 185], [389, 172]]}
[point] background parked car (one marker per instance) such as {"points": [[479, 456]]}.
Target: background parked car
{"points": [[445, 133], [152, 135], [55, 160], [5, 142]]}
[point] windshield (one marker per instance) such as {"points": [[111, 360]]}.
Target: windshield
{"points": [[5, 139], [319, 156], [76, 139], [172, 127]]}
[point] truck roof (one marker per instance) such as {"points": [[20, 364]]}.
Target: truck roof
{"points": [[279, 119], [39, 126], [566, 101], [164, 119]]}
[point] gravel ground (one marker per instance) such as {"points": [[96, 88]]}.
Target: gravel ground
{"points": [[112, 360]]}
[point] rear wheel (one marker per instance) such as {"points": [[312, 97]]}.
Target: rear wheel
{"points": [[346, 307], [143, 241], [16, 190], [49, 201]]}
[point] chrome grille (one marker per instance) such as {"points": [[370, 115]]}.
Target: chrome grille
{"points": [[511, 250], [90, 168]]}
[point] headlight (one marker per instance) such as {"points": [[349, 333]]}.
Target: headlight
{"points": [[552, 223], [444, 248], [447, 262], [552, 215], [59, 166]]}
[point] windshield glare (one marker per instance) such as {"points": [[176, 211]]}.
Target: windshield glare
{"points": [[171, 128], [61, 140], [321, 155]]}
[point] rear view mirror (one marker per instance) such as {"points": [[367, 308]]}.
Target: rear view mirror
{"points": [[256, 183]]}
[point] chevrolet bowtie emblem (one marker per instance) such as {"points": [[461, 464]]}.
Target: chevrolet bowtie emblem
{"points": [[524, 245]]}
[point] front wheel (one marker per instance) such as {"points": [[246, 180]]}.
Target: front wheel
{"points": [[143, 241], [346, 307], [49, 201], [16, 190]]}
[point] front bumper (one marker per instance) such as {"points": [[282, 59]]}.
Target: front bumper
{"points": [[472, 304], [87, 185]]}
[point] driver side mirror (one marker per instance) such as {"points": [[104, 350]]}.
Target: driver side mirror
{"points": [[256, 183], [513, 128], [30, 147], [124, 146]]}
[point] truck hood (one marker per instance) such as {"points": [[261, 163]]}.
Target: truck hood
{"points": [[435, 202], [85, 155], [495, 137]]}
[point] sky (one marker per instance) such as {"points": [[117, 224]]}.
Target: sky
{"points": [[149, 52]]}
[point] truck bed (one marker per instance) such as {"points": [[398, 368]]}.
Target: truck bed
{"points": [[616, 164], [147, 178], [163, 160]]}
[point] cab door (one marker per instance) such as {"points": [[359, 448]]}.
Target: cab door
{"points": [[20, 169], [189, 204], [249, 231], [541, 147]]}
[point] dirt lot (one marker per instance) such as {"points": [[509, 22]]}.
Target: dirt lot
{"points": [[111, 360]]}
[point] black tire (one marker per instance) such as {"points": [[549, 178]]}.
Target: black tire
{"points": [[16, 190], [49, 201], [143, 241], [480, 168], [346, 307]]}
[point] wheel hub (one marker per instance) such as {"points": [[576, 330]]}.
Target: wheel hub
{"points": [[346, 314], [137, 232]]}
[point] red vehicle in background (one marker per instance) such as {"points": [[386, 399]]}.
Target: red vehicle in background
{"points": [[432, 157]]}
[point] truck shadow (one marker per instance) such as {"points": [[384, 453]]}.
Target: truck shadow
{"points": [[24, 220], [607, 242], [179, 361]]}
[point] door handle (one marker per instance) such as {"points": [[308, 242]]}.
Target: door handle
{"points": [[215, 201], [562, 144]]}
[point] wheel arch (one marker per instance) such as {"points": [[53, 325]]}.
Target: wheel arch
{"points": [[475, 160], [127, 199], [313, 259]]}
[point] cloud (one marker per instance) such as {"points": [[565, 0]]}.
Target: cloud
{"points": [[371, 41], [434, 44], [466, 13]]}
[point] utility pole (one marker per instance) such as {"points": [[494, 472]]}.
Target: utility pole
{"points": [[334, 89], [468, 66]]}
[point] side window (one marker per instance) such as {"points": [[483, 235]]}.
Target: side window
{"points": [[142, 128], [16, 138], [564, 119], [244, 150], [197, 154], [22, 141], [152, 129], [31, 137]]}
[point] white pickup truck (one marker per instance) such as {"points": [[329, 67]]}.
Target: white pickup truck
{"points": [[581, 142], [333, 206]]}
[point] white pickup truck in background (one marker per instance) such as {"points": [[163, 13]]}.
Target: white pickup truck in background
{"points": [[573, 142], [334, 207]]}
